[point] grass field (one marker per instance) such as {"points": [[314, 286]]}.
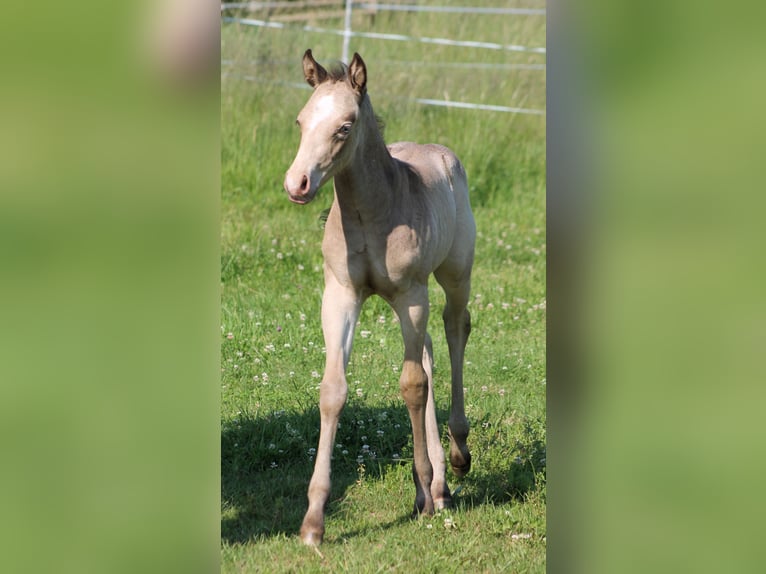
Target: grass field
{"points": [[271, 284]]}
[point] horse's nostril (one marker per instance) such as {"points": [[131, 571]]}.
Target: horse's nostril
{"points": [[304, 183]]}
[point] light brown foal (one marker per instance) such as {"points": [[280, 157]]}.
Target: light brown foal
{"points": [[399, 214]]}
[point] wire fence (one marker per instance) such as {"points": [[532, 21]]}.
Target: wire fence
{"points": [[376, 6], [286, 21]]}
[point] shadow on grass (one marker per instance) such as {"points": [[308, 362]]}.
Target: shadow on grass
{"points": [[267, 461]]}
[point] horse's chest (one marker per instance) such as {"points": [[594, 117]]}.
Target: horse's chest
{"points": [[382, 263]]}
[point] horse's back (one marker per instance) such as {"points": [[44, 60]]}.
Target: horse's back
{"points": [[432, 162], [444, 179], [439, 170]]}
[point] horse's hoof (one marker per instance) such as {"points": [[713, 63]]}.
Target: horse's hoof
{"points": [[424, 509], [311, 538], [311, 534], [442, 503], [461, 464]]}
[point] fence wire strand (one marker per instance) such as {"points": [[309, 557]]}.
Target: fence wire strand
{"points": [[348, 33]]}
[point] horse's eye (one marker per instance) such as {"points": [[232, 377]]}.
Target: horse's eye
{"points": [[344, 130]]}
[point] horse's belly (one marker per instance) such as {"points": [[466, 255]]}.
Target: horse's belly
{"points": [[400, 263], [388, 265]]}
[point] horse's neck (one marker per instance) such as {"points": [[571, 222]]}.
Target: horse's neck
{"points": [[365, 190]]}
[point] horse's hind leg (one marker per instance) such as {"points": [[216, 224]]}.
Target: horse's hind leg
{"points": [[439, 490], [412, 309], [457, 326]]}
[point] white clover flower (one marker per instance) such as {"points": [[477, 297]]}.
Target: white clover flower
{"points": [[520, 536]]}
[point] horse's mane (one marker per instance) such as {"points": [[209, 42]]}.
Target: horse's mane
{"points": [[338, 72]]}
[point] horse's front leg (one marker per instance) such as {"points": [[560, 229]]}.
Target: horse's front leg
{"points": [[412, 310], [340, 310]]}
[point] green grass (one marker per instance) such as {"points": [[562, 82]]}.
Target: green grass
{"points": [[272, 346]]}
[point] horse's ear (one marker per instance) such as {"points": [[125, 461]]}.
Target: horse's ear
{"points": [[312, 71], [357, 74]]}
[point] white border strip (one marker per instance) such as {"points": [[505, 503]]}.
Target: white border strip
{"points": [[397, 37]]}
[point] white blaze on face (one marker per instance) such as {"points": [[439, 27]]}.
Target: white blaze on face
{"points": [[322, 112]]}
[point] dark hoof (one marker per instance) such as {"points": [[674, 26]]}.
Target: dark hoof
{"points": [[421, 509], [461, 464]]}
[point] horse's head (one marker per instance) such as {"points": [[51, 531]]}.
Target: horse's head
{"points": [[328, 122]]}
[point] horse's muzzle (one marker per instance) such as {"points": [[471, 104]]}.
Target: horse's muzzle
{"points": [[299, 192]]}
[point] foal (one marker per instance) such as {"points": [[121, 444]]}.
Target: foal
{"points": [[399, 214]]}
